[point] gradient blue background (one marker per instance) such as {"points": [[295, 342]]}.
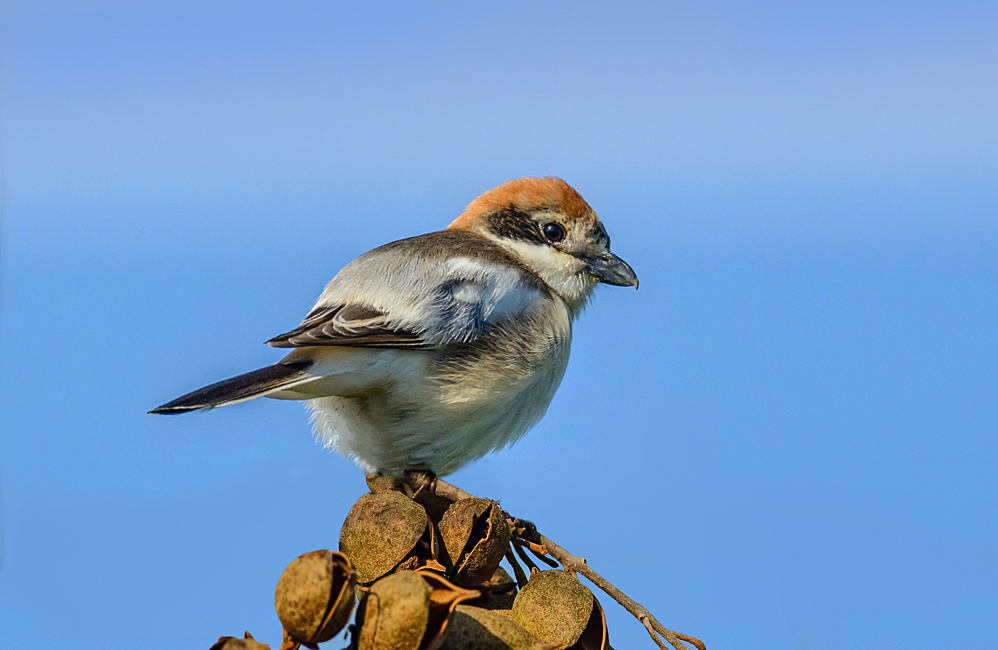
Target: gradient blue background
{"points": [[785, 439]]}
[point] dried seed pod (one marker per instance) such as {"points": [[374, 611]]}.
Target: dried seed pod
{"points": [[501, 582], [380, 531], [408, 610], [445, 598], [315, 596], [377, 483], [502, 605], [435, 505], [476, 535], [595, 636], [395, 613], [233, 643], [503, 592], [554, 606], [481, 629]]}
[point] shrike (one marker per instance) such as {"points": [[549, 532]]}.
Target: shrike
{"points": [[430, 352]]}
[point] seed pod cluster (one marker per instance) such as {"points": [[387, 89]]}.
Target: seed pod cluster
{"points": [[428, 577]]}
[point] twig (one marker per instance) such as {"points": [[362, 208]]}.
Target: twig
{"points": [[444, 489], [537, 549], [654, 637], [434, 551], [288, 642], [526, 558], [685, 637], [521, 577], [577, 564], [541, 554]]}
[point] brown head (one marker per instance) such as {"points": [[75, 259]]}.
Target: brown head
{"points": [[551, 228]]}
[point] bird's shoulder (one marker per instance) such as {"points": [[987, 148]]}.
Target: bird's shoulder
{"points": [[444, 245]]}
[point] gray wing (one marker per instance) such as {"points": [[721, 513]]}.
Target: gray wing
{"points": [[420, 293], [351, 325]]}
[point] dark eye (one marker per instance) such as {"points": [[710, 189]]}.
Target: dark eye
{"points": [[553, 232]]}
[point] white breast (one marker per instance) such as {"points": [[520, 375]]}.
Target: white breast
{"points": [[438, 411]]}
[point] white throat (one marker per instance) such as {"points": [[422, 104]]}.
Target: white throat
{"points": [[560, 271]]}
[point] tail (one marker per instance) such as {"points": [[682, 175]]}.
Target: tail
{"points": [[239, 389]]}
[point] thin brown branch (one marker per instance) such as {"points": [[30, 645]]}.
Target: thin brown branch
{"points": [[651, 632], [434, 551], [687, 638], [578, 565], [526, 558], [288, 642], [542, 556], [536, 549], [521, 577], [446, 490]]}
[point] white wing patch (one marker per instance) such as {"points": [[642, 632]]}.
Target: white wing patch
{"points": [[467, 292], [498, 290]]}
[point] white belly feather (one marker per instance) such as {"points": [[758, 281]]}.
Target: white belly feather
{"points": [[412, 420], [393, 410]]}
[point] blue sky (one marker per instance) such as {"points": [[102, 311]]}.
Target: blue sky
{"points": [[785, 438]]}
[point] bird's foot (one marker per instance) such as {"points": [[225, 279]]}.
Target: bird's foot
{"points": [[417, 481]]}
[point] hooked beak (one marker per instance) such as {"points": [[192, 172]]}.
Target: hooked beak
{"points": [[610, 269]]}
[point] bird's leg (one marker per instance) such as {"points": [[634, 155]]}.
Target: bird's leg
{"points": [[414, 483], [419, 479]]}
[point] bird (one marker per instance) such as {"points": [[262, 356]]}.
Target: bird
{"points": [[430, 352]]}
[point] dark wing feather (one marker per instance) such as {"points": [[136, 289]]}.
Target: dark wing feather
{"points": [[348, 325]]}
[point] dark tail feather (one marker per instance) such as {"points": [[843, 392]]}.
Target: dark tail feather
{"points": [[252, 384]]}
